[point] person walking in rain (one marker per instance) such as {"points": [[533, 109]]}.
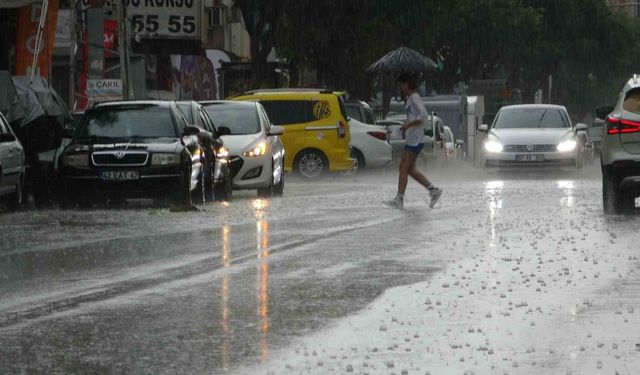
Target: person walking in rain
{"points": [[413, 128]]}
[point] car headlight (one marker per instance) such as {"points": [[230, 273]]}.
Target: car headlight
{"points": [[493, 147], [165, 159], [258, 150], [197, 155], [76, 160], [567, 146], [222, 152]]}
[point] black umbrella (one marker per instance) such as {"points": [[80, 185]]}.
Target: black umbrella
{"points": [[403, 59]]}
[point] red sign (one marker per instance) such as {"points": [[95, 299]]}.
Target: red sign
{"points": [[110, 35], [28, 19]]}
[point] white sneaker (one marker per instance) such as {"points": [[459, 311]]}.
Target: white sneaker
{"points": [[395, 203], [435, 195]]}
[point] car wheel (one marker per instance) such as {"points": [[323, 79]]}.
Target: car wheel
{"points": [[224, 191], [615, 201], [85, 202], [311, 164], [278, 190], [360, 162], [13, 201], [208, 181], [580, 158], [199, 196], [182, 200]]}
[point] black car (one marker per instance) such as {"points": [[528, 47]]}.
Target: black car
{"points": [[217, 177], [132, 149]]}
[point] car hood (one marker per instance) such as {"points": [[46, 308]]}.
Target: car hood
{"points": [[156, 145], [237, 144], [530, 136]]}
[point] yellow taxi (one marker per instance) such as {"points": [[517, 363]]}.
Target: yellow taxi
{"points": [[316, 137]]}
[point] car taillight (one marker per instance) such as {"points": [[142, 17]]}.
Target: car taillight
{"points": [[380, 135], [342, 129], [617, 125]]}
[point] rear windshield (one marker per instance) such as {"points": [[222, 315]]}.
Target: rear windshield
{"points": [[127, 122], [531, 118], [632, 101], [354, 112], [240, 119]]}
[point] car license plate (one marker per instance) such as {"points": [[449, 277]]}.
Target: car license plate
{"points": [[530, 158], [119, 175]]}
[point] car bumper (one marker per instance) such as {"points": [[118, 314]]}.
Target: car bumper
{"points": [[509, 159], [251, 173], [342, 165], [626, 174], [376, 153], [153, 182]]}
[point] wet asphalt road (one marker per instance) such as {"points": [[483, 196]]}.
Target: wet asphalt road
{"points": [[512, 273]]}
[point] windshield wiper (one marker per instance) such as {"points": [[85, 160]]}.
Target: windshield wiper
{"points": [[542, 118]]}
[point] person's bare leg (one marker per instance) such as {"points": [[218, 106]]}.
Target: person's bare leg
{"points": [[408, 159], [418, 176]]}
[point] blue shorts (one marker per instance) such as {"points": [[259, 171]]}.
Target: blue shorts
{"points": [[415, 149]]}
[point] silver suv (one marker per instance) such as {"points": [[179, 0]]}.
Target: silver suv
{"points": [[620, 152]]}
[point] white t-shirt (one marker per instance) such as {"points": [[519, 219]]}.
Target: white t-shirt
{"points": [[416, 111]]}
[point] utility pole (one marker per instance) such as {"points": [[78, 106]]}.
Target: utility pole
{"points": [[123, 48]]}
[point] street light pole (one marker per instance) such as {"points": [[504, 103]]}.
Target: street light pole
{"points": [[122, 46]]}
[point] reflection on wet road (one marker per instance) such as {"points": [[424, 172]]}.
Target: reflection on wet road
{"points": [[322, 275]]}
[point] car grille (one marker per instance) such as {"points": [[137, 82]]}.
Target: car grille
{"points": [[235, 164], [120, 158], [530, 148]]}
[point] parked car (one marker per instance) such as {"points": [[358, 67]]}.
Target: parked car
{"points": [[620, 154], [317, 136], [12, 166], [452, 145], [369, 145], [218, 182], [133, 149], [360, 111], [255, 147], [435, 146], [534, 135]]}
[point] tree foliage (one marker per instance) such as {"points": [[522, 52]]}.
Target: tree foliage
{"points": [[588, 48]]}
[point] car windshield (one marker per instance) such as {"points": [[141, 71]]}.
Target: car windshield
{"points": [[127, 122], [186, 111], [531, 118], [240, 119]]}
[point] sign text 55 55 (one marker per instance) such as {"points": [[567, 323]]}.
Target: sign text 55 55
{"points": [[164, 25]]}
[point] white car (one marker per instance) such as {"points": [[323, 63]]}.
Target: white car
{"points": [[256, 153], [534, 135], [436, 147], [369, 145]]}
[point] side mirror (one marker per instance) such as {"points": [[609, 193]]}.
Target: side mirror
{"points": [[459, 142], [484, 128], [190, 130], [581, 127], [7, 137], [223, 130], [603, 112], [276, 130]]}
